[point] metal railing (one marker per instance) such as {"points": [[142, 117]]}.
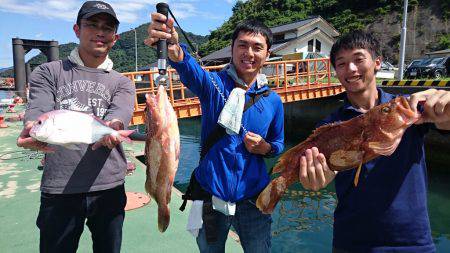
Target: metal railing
{"points": [[293, 80]]}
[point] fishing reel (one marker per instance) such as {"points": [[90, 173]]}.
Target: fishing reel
{"points": [[161, 47], [161, 50]]}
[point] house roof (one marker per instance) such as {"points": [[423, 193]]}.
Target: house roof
{"points": [[303, 36], [296, 25], [292, 26], [220, 54]]}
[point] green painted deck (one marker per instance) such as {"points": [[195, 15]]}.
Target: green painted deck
{"points": [[19, 205]]}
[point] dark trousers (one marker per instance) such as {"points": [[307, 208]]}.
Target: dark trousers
{"points": [[62, 217], [252, 227]]}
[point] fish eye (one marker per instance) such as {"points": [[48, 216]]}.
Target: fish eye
{"points": [[386, 109], [39, 122]]}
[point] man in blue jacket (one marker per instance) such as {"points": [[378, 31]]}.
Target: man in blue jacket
{"points": [[232, 171], [387, 210]]}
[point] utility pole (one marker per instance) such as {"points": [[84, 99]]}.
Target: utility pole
{"points": [[135, 50], [403, 40]]}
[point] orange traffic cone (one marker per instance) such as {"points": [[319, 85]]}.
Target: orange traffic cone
{"points": [[11, 108], [2, 122]]}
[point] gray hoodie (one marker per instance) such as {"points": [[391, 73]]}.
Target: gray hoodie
{"points": [[105, 94]]}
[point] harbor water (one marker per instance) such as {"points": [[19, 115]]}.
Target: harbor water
{"points": [[303, 220]]}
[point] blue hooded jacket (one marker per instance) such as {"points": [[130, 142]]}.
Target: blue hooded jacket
{"points": [[228, 170]]}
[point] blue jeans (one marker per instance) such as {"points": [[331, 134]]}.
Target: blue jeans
{"points": [[252, 226], [62, 216]]}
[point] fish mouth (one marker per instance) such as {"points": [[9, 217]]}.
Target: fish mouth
{"points": [[153, 101], [409, 116], [32, 132], [35, 128]]}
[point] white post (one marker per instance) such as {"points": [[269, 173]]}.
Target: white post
{"points": [[403, 41], [135, 50]]}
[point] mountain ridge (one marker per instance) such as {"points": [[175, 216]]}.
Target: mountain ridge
{"points": [[122, 53]]}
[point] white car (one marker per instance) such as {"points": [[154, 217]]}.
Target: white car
{"points": [[387, 71]]}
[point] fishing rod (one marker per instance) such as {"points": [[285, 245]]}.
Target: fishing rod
{"points": [[161, 46]]}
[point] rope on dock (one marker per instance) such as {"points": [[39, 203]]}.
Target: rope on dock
{"points": [[21, 154]]}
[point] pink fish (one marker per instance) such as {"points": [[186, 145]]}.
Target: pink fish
{"points": [[162, 150], [69, 128]]}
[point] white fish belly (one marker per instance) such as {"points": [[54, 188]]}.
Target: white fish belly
{"points": [[77, 128]]}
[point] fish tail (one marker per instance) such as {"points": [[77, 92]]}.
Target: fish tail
{"points": [[163, 217], [269, 197]]}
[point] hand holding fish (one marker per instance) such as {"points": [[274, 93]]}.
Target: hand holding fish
{"points": [[255, 144], [26, 141], [162, 27], [345, 145], [110, 140], [314, 171], [436, 107]]}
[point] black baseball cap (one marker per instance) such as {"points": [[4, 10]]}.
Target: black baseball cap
{"points": [[91, 8]]}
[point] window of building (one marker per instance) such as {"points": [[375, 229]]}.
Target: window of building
{"points": [[311, 45], [318, 46]]}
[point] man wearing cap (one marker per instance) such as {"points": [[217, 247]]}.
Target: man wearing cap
{"points": [[82, 184]]}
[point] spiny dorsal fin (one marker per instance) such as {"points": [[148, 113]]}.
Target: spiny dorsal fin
{"points": [[322, 129], [292, 153]]}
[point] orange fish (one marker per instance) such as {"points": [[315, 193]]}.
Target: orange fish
{"points": [[345, 145], [162, 151]]}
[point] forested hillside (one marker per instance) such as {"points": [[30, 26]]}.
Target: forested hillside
{"points": [[428, 26]]}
